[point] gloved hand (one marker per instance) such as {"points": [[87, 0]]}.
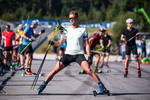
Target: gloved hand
{"points": [[30, 40], [60, 27], [102, 47], [123, 39], [43, 31], [50, 42], [90, 60]]}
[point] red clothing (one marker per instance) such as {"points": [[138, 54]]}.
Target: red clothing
{"points": [[8, 37], [95, 41]]}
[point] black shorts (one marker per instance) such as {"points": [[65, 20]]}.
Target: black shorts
{"points": [[55, 49], [8, 48], [28, 49], [129, 49], [67, 59], [144, 50], [62, 49], [106, 49]]}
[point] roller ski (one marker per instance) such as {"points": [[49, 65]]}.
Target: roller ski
{"points": [[103, 90], [83, 72], [99, 93], [96, 70], [139, 73], [3, 92], [125, 73], [31, 75], [42, 87]]}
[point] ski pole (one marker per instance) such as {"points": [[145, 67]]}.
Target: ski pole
{"points": [[39, 70], [95, 51], [5, 92], [99, 49], [130, 39], [28, 19], [25, 48]]}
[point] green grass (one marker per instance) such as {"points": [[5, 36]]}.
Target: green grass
{"points": [[43, 47]]}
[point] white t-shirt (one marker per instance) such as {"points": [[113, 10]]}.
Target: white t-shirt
{"points": [[75, 39]]}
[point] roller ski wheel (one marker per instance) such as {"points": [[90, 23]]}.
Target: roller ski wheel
{"points": [[104, 93], [108, 71], [83, 72], [97, 71], [125, 73], [139, 74]]}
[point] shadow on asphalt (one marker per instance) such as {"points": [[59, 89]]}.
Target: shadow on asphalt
{"points": [[119, 94], [42, 59], [76, 94], [6, 80]]}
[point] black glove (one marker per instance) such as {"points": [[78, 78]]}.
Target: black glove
{"points": [[90, 60], [60, 27], [43, 31], [50, 42], [30, 40]]}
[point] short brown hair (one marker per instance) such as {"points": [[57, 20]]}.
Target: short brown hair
{"points": [[8, 26], [74, 12]]}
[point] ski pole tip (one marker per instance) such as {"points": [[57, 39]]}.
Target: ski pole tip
{"points": [[33, 87], [30, 88]]}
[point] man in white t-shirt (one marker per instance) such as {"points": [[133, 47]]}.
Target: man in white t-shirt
{"points": [[75, 36]]}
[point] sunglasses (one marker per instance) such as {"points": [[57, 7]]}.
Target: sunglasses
{"points": [[73, 18]]}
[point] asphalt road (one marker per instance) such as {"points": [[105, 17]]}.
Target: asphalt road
{"points": [[69, 85]]}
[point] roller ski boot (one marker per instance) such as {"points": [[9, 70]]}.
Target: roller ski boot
{"points": [[83, 72], [96, 70], [103, 90], [28, 72], [106, 64], [42, 87], [139, 72], [125, 73]]}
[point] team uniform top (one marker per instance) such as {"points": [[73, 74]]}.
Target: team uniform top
{"points": [[129, 34], [95, 41], [75, 39], [20, 38], [8, 37], [64, 44], [29, 31], [105, 40]]}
